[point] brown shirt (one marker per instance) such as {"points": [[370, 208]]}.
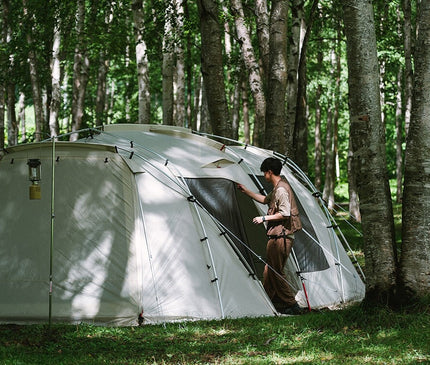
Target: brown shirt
{"points": [[282, 200]]}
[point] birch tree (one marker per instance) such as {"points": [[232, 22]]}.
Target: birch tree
{"points": [[294, 48], [81, 65], [144, 97], [168, 61], [368, 146], [34, 73], [414, 263], [212, 67], [54, 107], [252, 67], [179, 88], [277, 82], [103, 69]]}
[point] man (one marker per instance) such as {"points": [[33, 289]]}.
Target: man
{"points": [[282, 220]]}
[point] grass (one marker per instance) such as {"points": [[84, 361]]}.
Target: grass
{"points": [[352, 336]]}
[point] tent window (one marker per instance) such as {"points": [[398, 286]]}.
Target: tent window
{"points": [[310, 256], [234, 210]]}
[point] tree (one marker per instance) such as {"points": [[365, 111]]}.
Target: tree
{"points": [[252, 67], [212, 67], [277, 82], [414, 263], [168, 62], [144, 97], [54, 108], [81, 67], [301, 130], [368, 146], [294, 49], [34, 72]]}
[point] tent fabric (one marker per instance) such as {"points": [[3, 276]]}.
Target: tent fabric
{"points": [[148, 221]]}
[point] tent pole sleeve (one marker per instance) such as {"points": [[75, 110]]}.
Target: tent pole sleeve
{"points": [[51, 249]]}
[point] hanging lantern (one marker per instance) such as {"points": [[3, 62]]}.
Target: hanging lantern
{"points": [[34, 166]]}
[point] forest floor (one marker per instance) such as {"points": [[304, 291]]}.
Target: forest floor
{"points": [[354, 335]]}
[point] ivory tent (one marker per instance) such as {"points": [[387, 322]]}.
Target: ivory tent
{"points": [[144, 223]]}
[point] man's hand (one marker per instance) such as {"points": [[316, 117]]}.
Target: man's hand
{"points": [[257, 220], [241, 187]]}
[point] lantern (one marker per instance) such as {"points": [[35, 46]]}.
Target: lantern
{"points": [[34, 177]]}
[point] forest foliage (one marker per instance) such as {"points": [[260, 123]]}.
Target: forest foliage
{"points": [[108, 37]]}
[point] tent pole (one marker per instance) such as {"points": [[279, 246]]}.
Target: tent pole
{"points": [[52, 230], [301, 278]]}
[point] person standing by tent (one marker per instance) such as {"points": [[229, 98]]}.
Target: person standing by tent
{"points": [[282, 220]]}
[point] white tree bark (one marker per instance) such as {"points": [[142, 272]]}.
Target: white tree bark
{"points": [[168, 62], [179, 115], [254, 78], [81, 67], [55, 81], [368, 146], [415, 259], [142, 64]]}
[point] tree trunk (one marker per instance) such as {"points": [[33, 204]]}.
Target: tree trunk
{"points": [[197, 102], [274, 138], [2, 113], [328, 192], [354, 204], [102, 89], [204, 119], [4, 21], [179, 115], [262, 22], [399, 139], [245, 111], [255, 80], [12, 125], [331, 147], [318, 142], [407, 45], [21, 116], [213, 67], [368, 145], [295, 42], [81, 67], [104, 63], [414, 264], [54, 108], [235, 112], [300, 141], [34, 77], [168, 61], [142, 64], [191, 122]]}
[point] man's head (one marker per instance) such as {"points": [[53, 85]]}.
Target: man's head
{"points": [[271, 164]]}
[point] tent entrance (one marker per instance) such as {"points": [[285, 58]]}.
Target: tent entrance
{"points": [[221, 198], [310, 256]]}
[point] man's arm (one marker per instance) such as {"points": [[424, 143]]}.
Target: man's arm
{"points": [[257, 197]]}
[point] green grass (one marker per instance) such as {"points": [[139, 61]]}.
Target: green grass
{"points": [[353, 336]]}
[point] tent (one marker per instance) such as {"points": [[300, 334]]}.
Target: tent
{"points": [[144, 224]]}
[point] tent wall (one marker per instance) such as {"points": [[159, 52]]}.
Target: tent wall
{"points": [[93, 259], [190, 272]]}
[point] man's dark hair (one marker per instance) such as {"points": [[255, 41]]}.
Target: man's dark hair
{"points": [[273, 164]]}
